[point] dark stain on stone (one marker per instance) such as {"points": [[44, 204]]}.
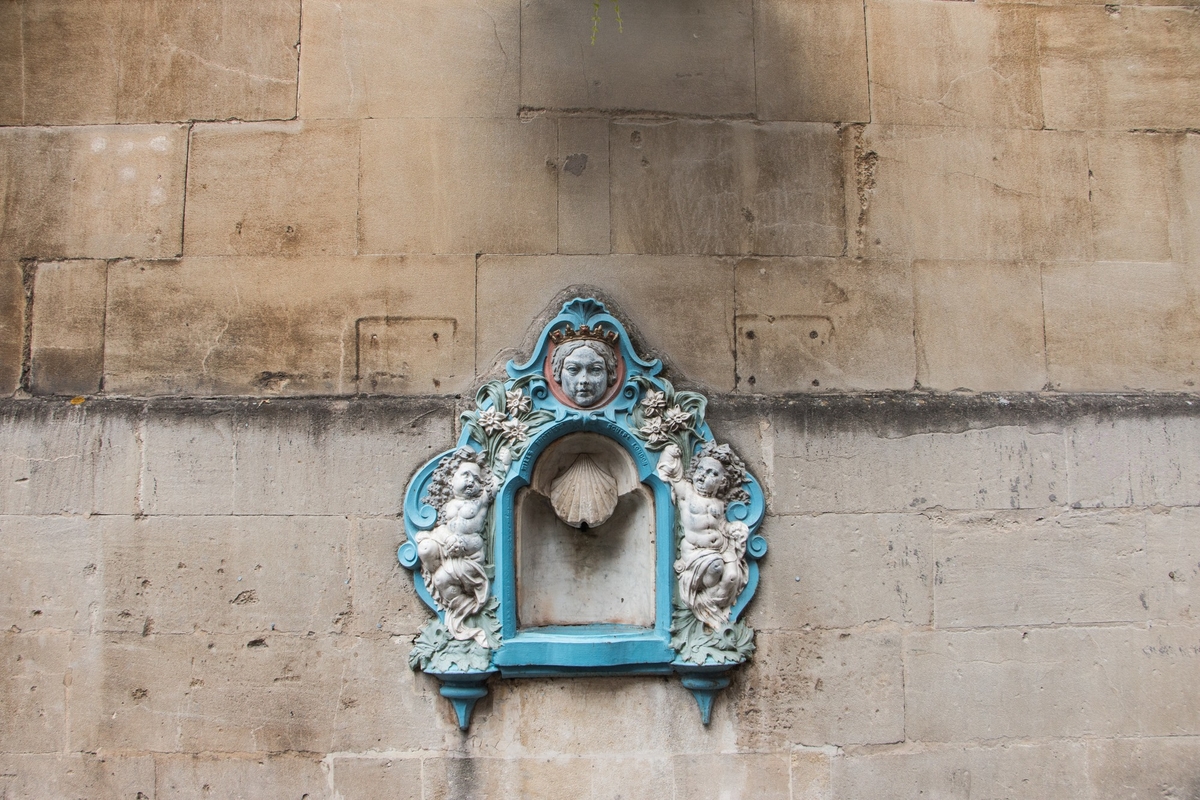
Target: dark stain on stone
{"points": [[576, 164]]}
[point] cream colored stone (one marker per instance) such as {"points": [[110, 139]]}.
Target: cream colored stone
{"points": [[1121, 326], [187, 462], [822, 324], [286, 188], [92, 192], [34, 667], [1132, 68], [12, 78], [61, 459], [820, 687], [979, 326], [1134, 460], [811, 775], [68, 327], [959, 64], [693, 329], [371, 778], [1153, 767], [68, 69], [826, 463], [1076, 568], [1132, 178], [1051, 683], [51, 573], [205, 326], [251, 575], [458, 186], [810, 61], [528, 778], [384, 598], [726, 188], [410, 58], [1185, 203], [1032, 771], [1173, 562], [758, 775], [685, 57], [12, 323], [583, 186], [845, 570], [213, 775], [970, 194], [634, 776], [53, 777]]}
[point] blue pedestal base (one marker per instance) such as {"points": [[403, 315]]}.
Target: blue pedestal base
{"points": [[704, 686], [463, 690]]}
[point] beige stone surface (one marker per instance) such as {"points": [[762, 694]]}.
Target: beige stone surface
{"points": [[67, 345], [201, 776], [92, 192], [52, 777], [861, 315], [820, 688], [532, 778], [1163, 767], [1173, 561], [277, 188], [845, 570], [205, 326], [979, 326], [12, 325], [810, 61], [1041, 683], [409, 58], [12, 90], [1031, 771], [1075, 568], [759, 775], [685, 57], [971, 194], [811, 775], [1122, 326], [953, 64], [693, 329], [1117, 461], [1132, 177], [1135, 68], [858, 470], [383, 594], [51, 573], [1186, 201], [583, 186], [726, 188], [458, 186], [369, 778], [34, 668], [164, 60], [636, 775]]}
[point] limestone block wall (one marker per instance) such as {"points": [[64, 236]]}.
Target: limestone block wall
{"points": [[936, 263]]}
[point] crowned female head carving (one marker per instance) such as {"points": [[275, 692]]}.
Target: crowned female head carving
{"points": [[584, 364]]}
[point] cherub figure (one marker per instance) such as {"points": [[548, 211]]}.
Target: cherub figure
{"points": [[462, 489], [712, 565]]}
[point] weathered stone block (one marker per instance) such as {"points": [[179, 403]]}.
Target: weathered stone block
{"points": [[533, 778], [810, 61], [250, 575], [845, 570], [1135, 68], [188, 462], [1185, 203], [758, 775], [32, 694], [1033, 771], [970, 194], [1162, 767], [958, 64], [52, 777], [283, 188], [1113, 326], [367, 778], [847, 467], [67, 346], [583, 186], [1064, 682], [685, 57], [205, 326], [1022, 569], [77, 84], [384, 595], [726, 188], [410, 58], [12, 90], [1132, 177], [1134, 461], [51, 573], [822, 324], [12, 324], [458, 186], [694, 329], [820, 687], [979, 326], [103, 192], [287, 775], [1173, 562], [632, 776], [811, 775]]}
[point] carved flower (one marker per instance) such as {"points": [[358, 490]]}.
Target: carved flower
{"points": [[518, 402], [492, 421], [676, 419], [517, 431], [653, 431], [654, 402]]}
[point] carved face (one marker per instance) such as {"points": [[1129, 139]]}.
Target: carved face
{"points": [[584, 377], [708, 477], [467, 480]]}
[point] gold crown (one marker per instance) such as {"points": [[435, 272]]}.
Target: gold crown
{"points": [[594, 333]]}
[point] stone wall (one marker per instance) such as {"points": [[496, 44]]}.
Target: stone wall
{"points": [[936, 263]]}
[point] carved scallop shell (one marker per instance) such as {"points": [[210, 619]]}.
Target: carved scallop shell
{"points": [[585, 495]]}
